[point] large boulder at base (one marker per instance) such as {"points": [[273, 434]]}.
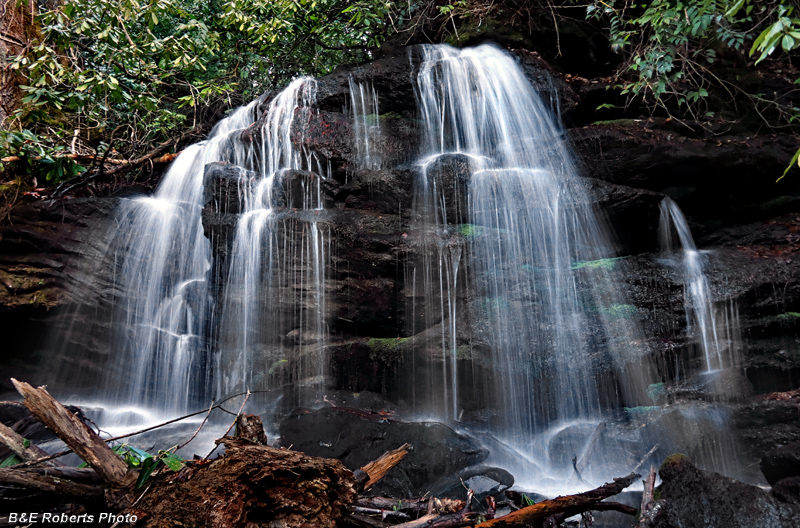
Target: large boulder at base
{"points": [[357, 438], [787, 490], [781, 463], [689, 497], [482, 480]]}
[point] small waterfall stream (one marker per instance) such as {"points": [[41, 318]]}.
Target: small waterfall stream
{"points": [[272, 254], [162, 326], [716, 333]]}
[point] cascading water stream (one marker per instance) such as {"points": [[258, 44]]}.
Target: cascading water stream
{"points": [[366, 124], [517, 324], [163, 278], [541, 294], [716, 333], [274, 256], [170, 352]]}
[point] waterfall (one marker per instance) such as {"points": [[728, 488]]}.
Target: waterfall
{"points": [[177, 340], [716, 333], [538, 279], [161, 321], [275, 253], [516, 325], [366, 124]]}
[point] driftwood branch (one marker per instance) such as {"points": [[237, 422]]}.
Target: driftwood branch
{"points": [[569, 505], [583, 463], [463, 517], [84, 475], [368, 475], [135, 433], [644, 459], [412, 506], [76, 434]]}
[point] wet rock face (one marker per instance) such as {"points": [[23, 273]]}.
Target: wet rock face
{"points": [[49, 257], [781, 463], [689, 497], [359, 438]]}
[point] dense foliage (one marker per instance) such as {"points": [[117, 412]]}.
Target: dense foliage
{"points": [[125, 74], [669, 46], [115, 79]]}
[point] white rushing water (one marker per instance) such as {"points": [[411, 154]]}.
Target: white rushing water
{"points": [[177, 339], [366, 124], [715, 331], [273, 256], [542, 295], [517, 320], [163, 263]]}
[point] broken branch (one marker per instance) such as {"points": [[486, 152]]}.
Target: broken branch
{"points": [[569, 505], [16, 444], [50, 484], [374, 471]]}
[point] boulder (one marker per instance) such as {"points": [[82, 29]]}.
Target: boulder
{"points": [[781, 463], [483, 480], [358, 437], [787, 490], [689, 497]]}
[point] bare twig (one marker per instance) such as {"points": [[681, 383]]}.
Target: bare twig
{"points": [[181, 446]]}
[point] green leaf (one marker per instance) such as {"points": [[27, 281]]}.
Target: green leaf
{"points": [[787, 43], [10, 460], [795, 159], [734, 9], [172, 461], [26, 443], [148, 466]]}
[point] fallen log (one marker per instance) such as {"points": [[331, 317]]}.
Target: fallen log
{"points": [[448, 520], [364, 521], [368, 475], [77, 435], [85, 475], [463, 517], [413, 506], [568, 505], [386, 507], [51, 484], [16, 443]]}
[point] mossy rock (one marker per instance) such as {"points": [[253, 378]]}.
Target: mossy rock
{"points": [[386, 349], [673, 464], [606, 263]]}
